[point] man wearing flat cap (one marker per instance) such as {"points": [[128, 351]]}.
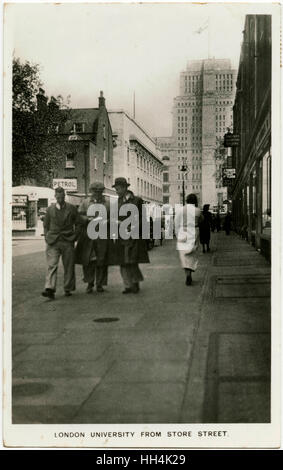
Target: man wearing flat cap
{"points": [[92, 254], [128, 253], [61, 229]]}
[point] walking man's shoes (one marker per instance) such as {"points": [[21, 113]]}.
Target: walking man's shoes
{"points": [[135, 287], [127, 290], [99, 289], [67, 293], [89, 289], [49, 293]]}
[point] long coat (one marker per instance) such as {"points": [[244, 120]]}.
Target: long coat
{"points": [[187, 231], [204, 227], [132, 251], [85, 244]]}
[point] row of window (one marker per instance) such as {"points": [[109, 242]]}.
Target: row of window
{"points": [[188, 104], [193, 187], [192, 78], [145, 165], [196, 110], [70, 160], [186, 151], [77, 128], [193, 89], [224, 88], [223, 76], [224, 102], [148, 189], [195, 176]]}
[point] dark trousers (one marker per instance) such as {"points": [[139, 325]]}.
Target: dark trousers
{"points": [[131, 274], [93, 272], [66, 250]]}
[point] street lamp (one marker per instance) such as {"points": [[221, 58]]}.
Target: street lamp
{"points": [[184, 170]]}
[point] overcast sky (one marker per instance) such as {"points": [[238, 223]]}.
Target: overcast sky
{"points": [[122, 48]]}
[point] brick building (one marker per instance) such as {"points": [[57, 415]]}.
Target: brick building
{"points": [[251, 193], [84, 146]]}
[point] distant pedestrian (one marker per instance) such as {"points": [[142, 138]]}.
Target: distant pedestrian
{"points": [[204, 228], [128, 253], [212, 222], [187, 222], [60, 232], [92, 254], [218, 222], [227, 223]]}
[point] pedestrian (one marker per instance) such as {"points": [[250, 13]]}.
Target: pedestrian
{"points": [[204, 228], [92, 254], [218, 222], [187, 222], [227, 223], [60, 224], [129, 253], [212, 222]]}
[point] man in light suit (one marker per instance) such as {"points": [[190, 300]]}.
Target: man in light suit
{"points": [[60, 232]]}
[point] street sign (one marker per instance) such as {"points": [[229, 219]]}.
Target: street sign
{"points": [[69, 184], [229, 173], [231, 140], [19, 199]]}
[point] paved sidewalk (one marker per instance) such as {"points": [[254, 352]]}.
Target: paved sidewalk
{"points": [[170, 354]]}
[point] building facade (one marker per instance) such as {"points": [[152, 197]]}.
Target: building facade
{"points": [[251, 193], [201, 114], [84, 145], [136, 157]]}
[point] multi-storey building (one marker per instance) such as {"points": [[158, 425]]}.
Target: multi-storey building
{"points": [[251, 193], [201, 114], [83, 144], [136, 157]]}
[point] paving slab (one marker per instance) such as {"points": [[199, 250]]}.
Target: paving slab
{"points": [[158, 350], [46, 368], [244, 355], [53, 392], [63, 352], [156, 398], [148, 370], [243, 402], [138, 417], [43, 414]]}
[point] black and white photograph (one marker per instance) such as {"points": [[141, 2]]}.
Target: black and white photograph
{"points": [[141, 253]]}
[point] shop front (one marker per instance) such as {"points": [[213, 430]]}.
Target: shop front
{"points": [[29, 204]]}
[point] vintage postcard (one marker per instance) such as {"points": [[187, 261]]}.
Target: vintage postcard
{"points": [[141, 285]]}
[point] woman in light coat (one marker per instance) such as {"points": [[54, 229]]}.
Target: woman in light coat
{"points": [[187, 231]]}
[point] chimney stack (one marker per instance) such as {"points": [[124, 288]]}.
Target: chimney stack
{"points": [[101, 100], [53, 104]]}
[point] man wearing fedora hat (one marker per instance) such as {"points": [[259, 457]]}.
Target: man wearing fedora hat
{"points": [[92, 254], [128, 253]]}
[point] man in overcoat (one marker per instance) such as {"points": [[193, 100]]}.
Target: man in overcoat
{"points": [[129, 253], [61, 225], [92, 254]]}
